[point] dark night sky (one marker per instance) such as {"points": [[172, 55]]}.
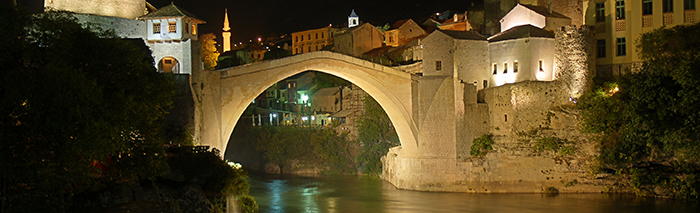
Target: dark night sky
{"points": [[261, 18]]}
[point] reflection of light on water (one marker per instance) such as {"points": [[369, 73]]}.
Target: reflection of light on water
{"points": [[276, 189], [331, 205], [308, 194]]}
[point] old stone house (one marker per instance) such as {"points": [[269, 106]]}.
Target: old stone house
{"points": [[359, 39], [402, 32]]}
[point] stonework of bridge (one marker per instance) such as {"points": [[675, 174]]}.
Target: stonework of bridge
{"points": [[436, 115], [224, 94]]}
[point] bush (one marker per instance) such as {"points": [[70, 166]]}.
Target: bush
{"points": [[482, 145]]}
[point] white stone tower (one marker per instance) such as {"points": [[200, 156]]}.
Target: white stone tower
{"points": [[226, 35], [353, 19]]}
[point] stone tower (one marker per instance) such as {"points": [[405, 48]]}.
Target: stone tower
{"points": [[129, 9], [353, 19], [226, 35], [575, 61]]}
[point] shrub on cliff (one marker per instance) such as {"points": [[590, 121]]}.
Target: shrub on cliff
{"points": [[649, 125], [482, 145]]}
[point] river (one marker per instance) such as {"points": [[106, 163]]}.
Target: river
{"points": [[336, 194]]}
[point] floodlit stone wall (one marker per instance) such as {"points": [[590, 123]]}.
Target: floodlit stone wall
{"points": [[122, 27], [187, 53], [575, 57], [129, 9]]}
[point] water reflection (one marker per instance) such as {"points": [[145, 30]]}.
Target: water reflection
{"points": [[340, 194]]}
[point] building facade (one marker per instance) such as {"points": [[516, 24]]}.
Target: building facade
{"points": [[620, 23], [402, 32], [358, 40], [313, 40]]}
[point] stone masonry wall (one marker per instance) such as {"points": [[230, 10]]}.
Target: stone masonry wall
{"points": [[538, 112], [575, 57]]}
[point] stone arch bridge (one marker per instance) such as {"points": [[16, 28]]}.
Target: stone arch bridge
{"points": [[428, 112]]}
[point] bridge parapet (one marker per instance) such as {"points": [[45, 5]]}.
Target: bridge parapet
{"points": [[277, 63]]}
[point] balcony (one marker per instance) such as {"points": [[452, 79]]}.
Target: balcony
{"points": [[600, 27], [689, 16], [668, 19], [647, 21], [620, 25]]}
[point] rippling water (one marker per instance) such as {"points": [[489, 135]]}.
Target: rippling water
{"points": [[335, 194]]}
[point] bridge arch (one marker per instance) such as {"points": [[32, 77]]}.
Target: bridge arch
{"points": [[239, 86]]}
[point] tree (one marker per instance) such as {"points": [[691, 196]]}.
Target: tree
{"points": [[209, 53], [78, 108], [649, 121], [376, 136]]}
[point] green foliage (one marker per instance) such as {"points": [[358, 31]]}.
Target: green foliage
{"points": [[482, 145], [78, 109], [654, 117], [217, 178], [551, 191], [384, 28], [571, 183], [376, 136], [210, 55], [567, 150], [247, 204], [290, 147], [547, 143]]}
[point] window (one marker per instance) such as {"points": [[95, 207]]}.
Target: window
{"points": [[309, 48], [302, 37], [309, 36], [186, 28], [316, 35], [600, 12], [322, 34], [647, 7], [505, 68], [296, 38], [156, 28], [172, 27], [167, 61], [621, 47], [601, 48], [541, 65], [296, 50], [689, 4], [620, 9], [495, 69], [668, 6], [316, 48], [438, 65], [515, 66], [194, 29]]}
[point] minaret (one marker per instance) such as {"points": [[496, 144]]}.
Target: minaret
{"points": [[226, 34], [353, 19]]}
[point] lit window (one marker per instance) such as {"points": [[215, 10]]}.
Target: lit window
{"points": [[620, 9], [541, 65], [316, 35], [156, 28], [647, 7], [505, 68], [296, 38], [601, 48], [309, 36], [438, 65], [600, 12], [322, 34], [515, 66], [495, 69], [172, 27], [167, 61], [668, 6], [194, 29], [621, 47]]}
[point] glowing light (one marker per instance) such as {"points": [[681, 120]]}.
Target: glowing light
{"points": [[304, 118], [313, 118], [259, 39], [304, 97]]}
